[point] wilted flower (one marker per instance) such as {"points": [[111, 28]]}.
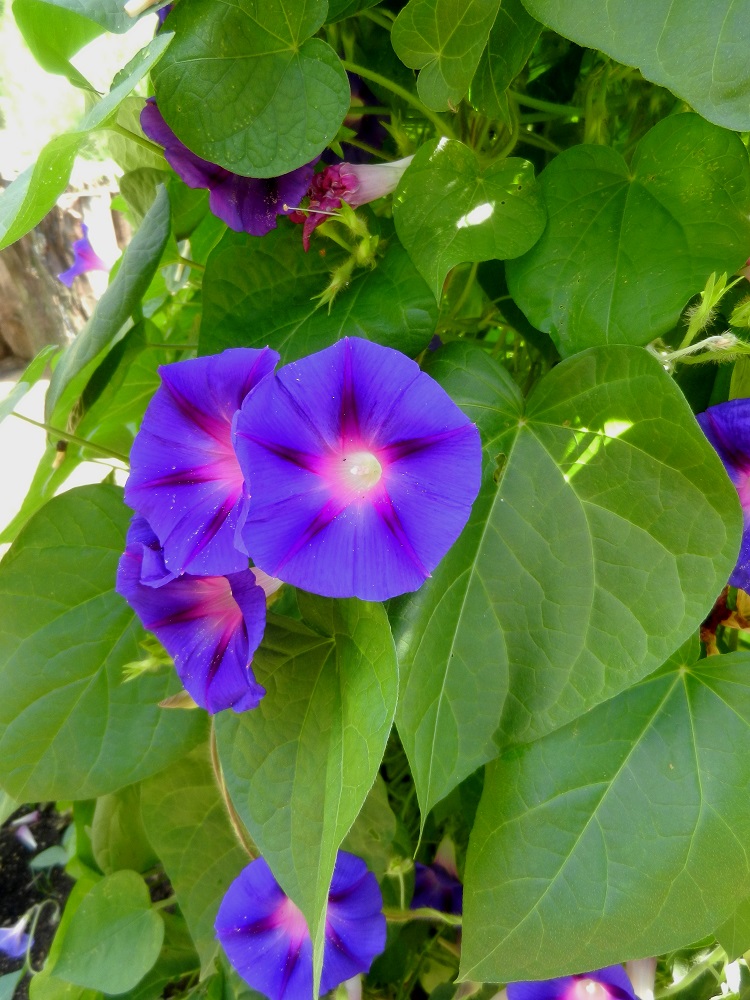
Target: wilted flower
{"points": [[246, 204], [265, 935], [210, 625], [365, 471], [438, 885], [85, 259], [26, 837], [13, 941], [610, 983], [354, 183], [727, 427], [184, 475]]}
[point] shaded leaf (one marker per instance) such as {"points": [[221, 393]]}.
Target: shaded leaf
{"points": [[54, 34], [511, 41], [118, 839]]}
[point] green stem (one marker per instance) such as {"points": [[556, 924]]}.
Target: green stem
{"points": [[377, 18], [697, 970], [191, 263], [369, 109], [559, 110], [162, 904], [368, 149], [532, 139], [74, 439], [234, 819], [134, 137], [383, 81], [422, 913], [465, 291]]}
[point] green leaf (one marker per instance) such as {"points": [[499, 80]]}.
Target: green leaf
{"points": [[626, 247], [299, 767], [114, 937], [572, 580], [53, 857], [121, 299], [187, 824], [245, 85], [45, 986], [374, 830], [511, 41], [624, 833], [259, 291], [448, 210], [54, 34], [696, 50], [118, 839], [8, 984], [444, 39], [177, 960], [28, 199], [734, 934], [70, 727], [109, 14], [339, 9], [8, 806], [34, 371], [51, 473]]}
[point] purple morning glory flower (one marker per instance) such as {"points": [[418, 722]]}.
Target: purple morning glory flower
{"points": [[210, 625], [265, 935], [246, 204], [13, 942], [185, 478], [727, 427], [611, 983], [362, 472], [84, 259], [438, 885], [354, 183], [163, 13]]}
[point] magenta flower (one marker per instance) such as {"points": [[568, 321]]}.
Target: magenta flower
{"points": [[246, 204], [185, 478], [611, 983], [266, 939], [362, 472], [354, 183], [85, 259], [14, 943], [438, 885], [727, 427], [209, 625]]}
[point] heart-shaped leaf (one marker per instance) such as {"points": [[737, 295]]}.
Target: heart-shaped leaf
{"points": [[247, 86], [697, 50], [624, 833], [511, 40], [569, 583], [448, 210], [627, 246], [444, 39]]}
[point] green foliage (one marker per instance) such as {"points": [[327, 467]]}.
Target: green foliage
{"points": [[55, 33], [70, 727], [627, 246], [449, 210], [118, 839], [511, 41], [245, 85], [299, 767]]}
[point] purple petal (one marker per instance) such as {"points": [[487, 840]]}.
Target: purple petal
{"points": [[266, 939], [185, 478], [246, 204], [13, 942], [313, 440], [613, 983], [85, 259], [210, 625], [437, 888]]}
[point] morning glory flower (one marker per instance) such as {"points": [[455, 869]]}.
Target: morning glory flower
{"points": [[209, 625], [438, 885], [610, 983], [727, 427], [266, 939], [85, 259], [354, 183], [362, 472], [13, 942], [246, 204], [185, 478]]}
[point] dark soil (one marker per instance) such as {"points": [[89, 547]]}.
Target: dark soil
{"points": [[21, 887]]}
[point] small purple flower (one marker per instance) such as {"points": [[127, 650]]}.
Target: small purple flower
{"points": [[362, 472], [438, 885], [185, 478], [727, 427], [13, 942], [246, 204], [266, 939], [26, 837], [84, 259], [611, 983], [163, 13], [210, 625], [354, 183]]}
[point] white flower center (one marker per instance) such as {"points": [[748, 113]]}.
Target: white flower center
{"points": [[589, 989], [361, 470]]}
